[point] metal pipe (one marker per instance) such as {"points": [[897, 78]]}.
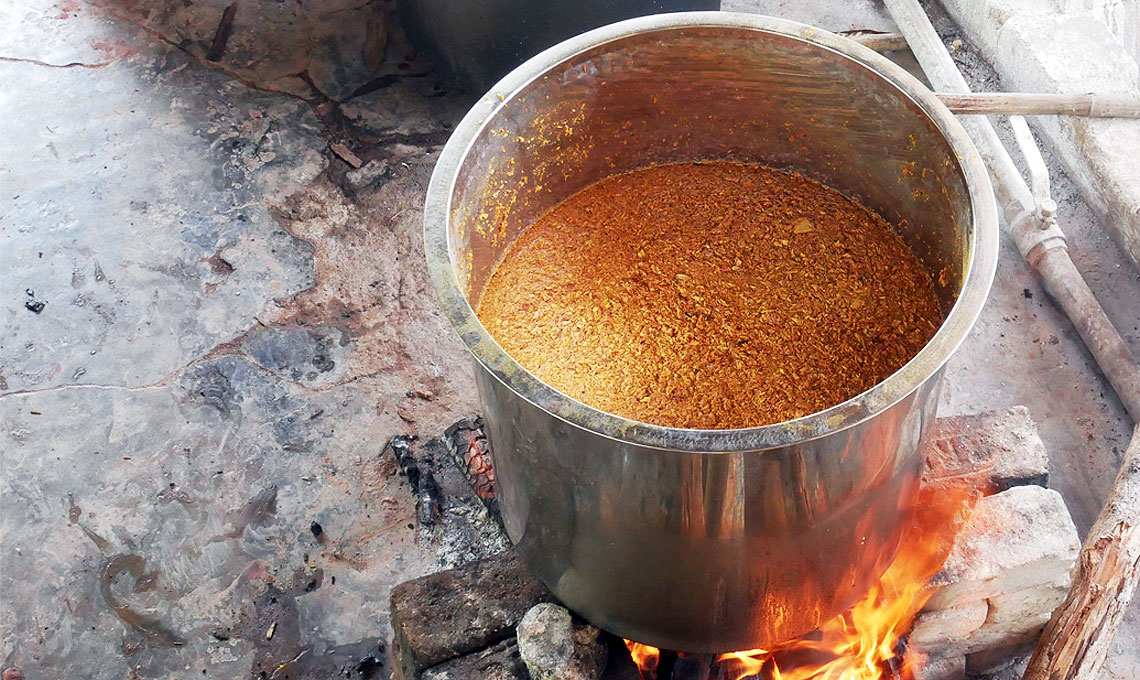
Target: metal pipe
{"points": [[1041, 242], [1038, 171], [1069, 289]]}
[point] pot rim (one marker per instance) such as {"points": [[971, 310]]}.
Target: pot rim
{"points": [[923, 366]]}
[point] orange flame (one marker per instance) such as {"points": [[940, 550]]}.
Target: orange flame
{"points": [[862, 643], [645, 656]]}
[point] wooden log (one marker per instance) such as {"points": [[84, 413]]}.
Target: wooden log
{"points": [[1076, 640], [1102, 105]]}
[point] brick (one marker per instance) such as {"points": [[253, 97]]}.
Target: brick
{"points": [[951, 667], [452, 613], [1016, 540], [1016, 616], [939, 630], [500, 662], [992, 451]]}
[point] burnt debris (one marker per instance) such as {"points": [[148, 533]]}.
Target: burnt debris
{"points": [[420, 477], [469, 449], [32, 304]]}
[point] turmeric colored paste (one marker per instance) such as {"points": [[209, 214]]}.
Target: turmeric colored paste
{"points": [[710, 295]]}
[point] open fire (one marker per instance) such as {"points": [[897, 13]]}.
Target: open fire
{"points": [[1000, 564], [868, 642]]}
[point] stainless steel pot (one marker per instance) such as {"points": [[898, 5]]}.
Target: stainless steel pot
{"points": [[708, 540]]}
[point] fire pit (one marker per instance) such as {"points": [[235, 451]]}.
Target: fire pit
{"points": [[709, 540], [1001, 544]]}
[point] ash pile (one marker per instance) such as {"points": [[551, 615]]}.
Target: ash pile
{"points": [[454, 486]]}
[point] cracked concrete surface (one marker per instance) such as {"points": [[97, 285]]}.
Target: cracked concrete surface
{"points": [[227, 339], [236, 321]]}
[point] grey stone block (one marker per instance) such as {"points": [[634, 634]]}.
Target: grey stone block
{"points": [[1015, 617], [951, 667], [1097, 152], [1121, 16], [985, 19], [1011, 659], [500, 662], [940, 630], [555, 648], [1008, 610], [992, 451], [451, 613], [1092, 60], [1015, 540]]}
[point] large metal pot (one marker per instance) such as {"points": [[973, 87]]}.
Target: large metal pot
{"points": [[708, 540]]}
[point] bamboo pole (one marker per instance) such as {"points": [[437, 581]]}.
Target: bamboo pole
{"points": [[1090, 104], [1093, 105]]}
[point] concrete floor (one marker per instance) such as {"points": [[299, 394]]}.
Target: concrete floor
{"points": [[233, 323]]}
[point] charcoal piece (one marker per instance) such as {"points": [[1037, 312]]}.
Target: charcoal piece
{"points": [[427, 499], [471, 452], [469, 449], [400, 448], [419, 475]]}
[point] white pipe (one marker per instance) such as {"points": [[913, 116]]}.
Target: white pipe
{"points": [[1038, 171]]}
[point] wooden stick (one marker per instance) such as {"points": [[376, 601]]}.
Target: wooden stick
{"points": [[1105, 105], [1076, 641], [1091, 105], [880, 42]]}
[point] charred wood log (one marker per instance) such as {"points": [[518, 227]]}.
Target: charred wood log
{"points": [[420, 478]]}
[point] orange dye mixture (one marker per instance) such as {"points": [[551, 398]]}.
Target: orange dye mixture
{"points": [[710, 295]]}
